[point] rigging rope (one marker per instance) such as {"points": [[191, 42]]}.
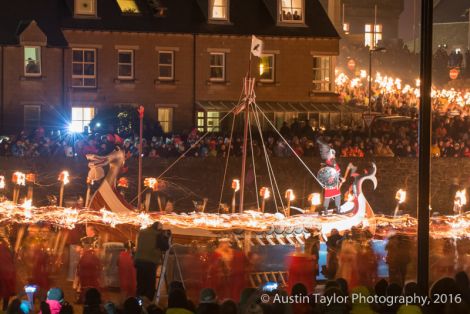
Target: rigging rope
{"points": [[226, 164], [274, 185], [290, 147]]}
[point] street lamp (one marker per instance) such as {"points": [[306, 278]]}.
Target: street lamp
{"points": [[371, 50]]}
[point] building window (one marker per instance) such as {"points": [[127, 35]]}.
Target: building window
{"points": [[217, 66], [165, 117], [291, 11], [32, 61], [84, 68], [128, 6], [321, 73], [85, 7], [371, 39], [266, 68], [165, 65], [218, 10], [81, 117], [208, 121], [31, 115], [126, 64]]}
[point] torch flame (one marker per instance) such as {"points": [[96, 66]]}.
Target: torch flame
{"points": [[400, 196], [461, 198], [64, 177], [290, 195]]}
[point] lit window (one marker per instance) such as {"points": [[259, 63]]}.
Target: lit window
{"points": [[291, 11], [85, 7], [84, 68], [266, 68], [31, 115], [321, 73], [165, 117], [346, 28], [213, 121], [218, 10], [126, 64], [165, 65], [32, 61], [217, 66], [371, 39], [208, 121], [128, 6], [81, 117], [201, 126]]}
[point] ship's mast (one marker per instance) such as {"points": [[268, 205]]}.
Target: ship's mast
{"points": [[248, 85]]}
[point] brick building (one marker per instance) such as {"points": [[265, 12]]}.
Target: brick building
{"points": [[184, 60]]}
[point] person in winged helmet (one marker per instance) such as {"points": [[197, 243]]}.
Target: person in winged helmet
{"points": [[330, 176]]}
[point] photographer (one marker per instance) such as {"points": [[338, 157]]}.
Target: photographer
{"points": [[152, 242]]}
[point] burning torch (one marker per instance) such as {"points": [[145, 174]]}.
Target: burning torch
{"points": [[152, 184], [460, 201], [290, 196], [122, 184], [265, 194], [2, 186], [30, 180], [89, 183], [18, 179], [64, 180], [236, 188], [401, 198], [314, 200]]}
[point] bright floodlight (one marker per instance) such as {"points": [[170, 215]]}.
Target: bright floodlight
{"points": [[75, 128]]}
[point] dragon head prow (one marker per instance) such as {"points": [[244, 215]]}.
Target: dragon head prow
{"points": [[370, 175]]}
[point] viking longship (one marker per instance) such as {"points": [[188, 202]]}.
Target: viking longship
{"points": [[262, 228]]}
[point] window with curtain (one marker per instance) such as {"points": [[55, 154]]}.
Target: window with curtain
{"points": [[370, 39], [266, 68], [126, 64], [321, 73], [32, 61], [165, 65], [217, 66], [81, 117], [218, 10], [84, 67], [291, 11], [165, 117]]}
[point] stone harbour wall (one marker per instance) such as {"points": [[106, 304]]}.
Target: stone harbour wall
{"points": [[194, 179]]}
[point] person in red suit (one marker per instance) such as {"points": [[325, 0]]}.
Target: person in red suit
{"points": [[226, 273], [89, 265], [7, 274], [127, 274], [301, 269]]}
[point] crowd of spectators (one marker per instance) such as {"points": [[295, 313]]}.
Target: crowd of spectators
{"points": [[400, 60], [353, 285], [388, 139]]}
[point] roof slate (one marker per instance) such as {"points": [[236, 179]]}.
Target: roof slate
{"points": [[247, 17], [451, 11]]}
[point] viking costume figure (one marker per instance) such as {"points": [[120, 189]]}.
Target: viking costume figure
{"points": [[330, 176]]}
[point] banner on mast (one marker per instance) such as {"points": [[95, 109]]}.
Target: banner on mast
{"points": [[256, 46]]}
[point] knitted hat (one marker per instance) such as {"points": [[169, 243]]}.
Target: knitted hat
{"points": [[55, 294], [207, 296]]}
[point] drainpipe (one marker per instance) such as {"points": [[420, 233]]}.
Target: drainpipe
{"points": [[64, 100], [194, 81], [2, 91]]}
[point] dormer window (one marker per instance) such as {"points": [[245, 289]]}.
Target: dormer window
{"points": [[291, 11], [128, 6], [218, 10], [85, 7]]}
